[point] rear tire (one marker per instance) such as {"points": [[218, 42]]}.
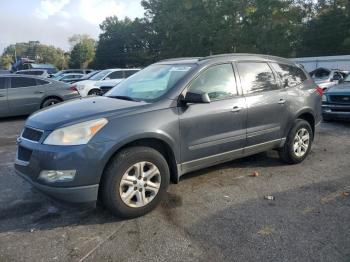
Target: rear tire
{"points": [[298, 143], [50, 102], [94, 92], [124, 189]]}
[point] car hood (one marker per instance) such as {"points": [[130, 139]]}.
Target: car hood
{"points": [[342, 88], [81, 110]]}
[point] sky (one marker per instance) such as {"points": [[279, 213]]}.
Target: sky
{"points": [[53, 21]]}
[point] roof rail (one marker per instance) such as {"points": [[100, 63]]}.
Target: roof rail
{"points": [[232, 54], [180, 58]]}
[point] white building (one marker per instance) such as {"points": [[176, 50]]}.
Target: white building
{"points": [[330, 62]]}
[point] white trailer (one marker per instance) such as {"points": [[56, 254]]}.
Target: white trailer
{"points": [[330, 62]]}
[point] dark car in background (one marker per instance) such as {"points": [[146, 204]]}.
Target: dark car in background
{"points": [[336, 102], [171, 118], [24, 94], [34, 72]]}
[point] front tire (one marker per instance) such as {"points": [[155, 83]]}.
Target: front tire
{"points": [[298, 143], [134, 182]]}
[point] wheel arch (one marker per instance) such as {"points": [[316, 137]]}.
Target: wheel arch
{"points": [[158, 142], [50, 97], [309, 116]]}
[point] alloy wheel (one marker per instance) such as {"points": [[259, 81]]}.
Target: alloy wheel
{"points": [[140, 184], [301, 142]]}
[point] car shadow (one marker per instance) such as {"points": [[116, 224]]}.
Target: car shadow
{"points": [[13, 118]]}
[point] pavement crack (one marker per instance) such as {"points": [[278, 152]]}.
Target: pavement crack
{"points": [[110, 236]]}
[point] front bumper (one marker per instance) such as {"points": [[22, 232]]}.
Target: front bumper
{"points": [[82, 194], [341, 112], [88, 161]]}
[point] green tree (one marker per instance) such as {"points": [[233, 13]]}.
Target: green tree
{"points": [[38, 52], [6, 61], [328, 32], [124, 43], [83, 51]]}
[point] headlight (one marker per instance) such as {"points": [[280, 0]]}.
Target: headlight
{"points": [[324, 98], [78, 134]]}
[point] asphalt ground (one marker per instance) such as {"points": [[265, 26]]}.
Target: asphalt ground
{"points": [[216, 214]]}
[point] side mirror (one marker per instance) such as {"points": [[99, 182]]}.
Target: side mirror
{"points": [[107, 78], [196, 98]]}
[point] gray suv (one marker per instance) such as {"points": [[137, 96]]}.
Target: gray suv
{"points": [[171, 118]]}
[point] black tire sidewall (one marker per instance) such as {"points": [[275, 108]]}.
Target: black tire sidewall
{"points": [[115, 171], [47, 102], [299, 124]]}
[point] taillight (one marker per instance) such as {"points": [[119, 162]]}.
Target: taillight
{"points": [[319, 90], [73, 88]]}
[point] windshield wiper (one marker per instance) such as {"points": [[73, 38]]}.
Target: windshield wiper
{"points": [[128, 98]]}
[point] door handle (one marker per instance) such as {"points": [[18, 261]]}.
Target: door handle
{"points": [[282, 101], [38, 92], [236, 109]]}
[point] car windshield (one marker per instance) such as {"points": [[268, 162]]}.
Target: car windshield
{"points": [[100, 75], [347, 79], [150, 83]]}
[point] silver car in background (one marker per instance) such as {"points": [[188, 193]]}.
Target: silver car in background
{"points": [[25, 94], [326, 78]]}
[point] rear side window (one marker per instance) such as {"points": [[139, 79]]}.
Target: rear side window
{"points": [[256, 77], [290, 75], [218, 82], [116, 75], [17, 82], [2, 82]]}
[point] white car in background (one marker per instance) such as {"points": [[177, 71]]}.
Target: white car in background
{"points": [[326, 78], [103, 81]]}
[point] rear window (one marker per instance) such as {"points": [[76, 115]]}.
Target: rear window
{"points": [[320, 73], [17, 82], [290, 75]]}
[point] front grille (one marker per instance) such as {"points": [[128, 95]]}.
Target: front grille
{"points": [[24, 154], [341, 99], [32, 134]]}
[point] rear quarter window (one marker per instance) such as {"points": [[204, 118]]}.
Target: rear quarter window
{"points": [[290, 76]]}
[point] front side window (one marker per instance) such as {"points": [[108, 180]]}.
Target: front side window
{"points": [[218, 82], [256, 77], [130, 73], [116, 75], [150, 83], [17, 82], [290, 75]]}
